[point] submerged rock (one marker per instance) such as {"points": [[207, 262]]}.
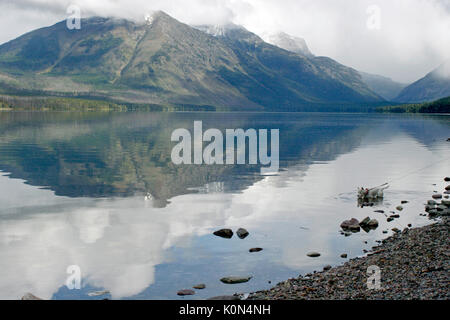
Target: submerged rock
{"points": [[242, 233], [352, 225], [313, 254], [255, 250], [199, 286], [224, 233], [364, 222], [235, 280], [186, 292], [373, 224]]}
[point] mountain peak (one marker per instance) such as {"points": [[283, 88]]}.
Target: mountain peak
{"points": [[290, 43], [443, 71]]}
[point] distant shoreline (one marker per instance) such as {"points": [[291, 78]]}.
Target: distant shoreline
{"points": [[88, 103]]}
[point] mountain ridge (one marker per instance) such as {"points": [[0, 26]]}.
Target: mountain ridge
{"points": [[433, 86], [167, 61]]}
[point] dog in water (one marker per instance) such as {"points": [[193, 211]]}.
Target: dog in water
{"points": [[372, 193]]}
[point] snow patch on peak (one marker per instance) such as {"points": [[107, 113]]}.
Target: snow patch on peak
{"points": [[289, 43], [218, 30]]}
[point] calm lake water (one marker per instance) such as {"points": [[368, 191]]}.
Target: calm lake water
{"points": [[72, 189]]}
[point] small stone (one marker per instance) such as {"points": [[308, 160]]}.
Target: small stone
{"points": [[326, 268], [431, 202], [395, 216], [447, 179], [186, 292], [242, 233], [396, 230], [255, 250], [224, 233], [313, 254], [399, 208], [385, 231], [379, 211], [344, 256], [199, 286], [409, 225], [235, 280], [447, 188], [404, 202], [390, 219], [437, 196]]}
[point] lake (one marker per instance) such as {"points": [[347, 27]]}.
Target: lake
{"points": [[72, 188]]}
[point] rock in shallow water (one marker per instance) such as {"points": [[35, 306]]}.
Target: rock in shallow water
{"points": [[352, 225], [313, 254], [235, 280], [373, 224], [186, 292], [224, 233], [199, 286], [242, 233], [255, 250], [437, 196]]}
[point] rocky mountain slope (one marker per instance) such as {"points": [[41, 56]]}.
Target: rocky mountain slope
{"points": [[435, 85], [168, 62]]}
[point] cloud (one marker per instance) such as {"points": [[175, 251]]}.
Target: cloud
{"points": [[412, 39]]}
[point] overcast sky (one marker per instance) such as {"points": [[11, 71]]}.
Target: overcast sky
{"points": [[411, 39]]}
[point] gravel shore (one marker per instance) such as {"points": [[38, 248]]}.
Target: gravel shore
{"points": [[414, 264]]}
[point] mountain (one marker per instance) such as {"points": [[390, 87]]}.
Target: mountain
{"points": [[435, 85], [385, 87], [289, 43], [168, 62], [312, 79]]}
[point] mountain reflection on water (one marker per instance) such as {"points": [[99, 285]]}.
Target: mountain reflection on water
{"points": [[73, 185]]}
